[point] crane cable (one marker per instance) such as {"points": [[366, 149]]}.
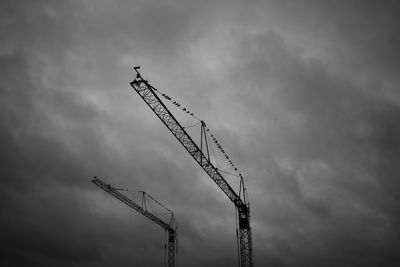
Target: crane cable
{"points": [[186, 110], [190, 126], [177, 104]]}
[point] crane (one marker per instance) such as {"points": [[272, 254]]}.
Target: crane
{"points": [[148, 93], [170, 227]]}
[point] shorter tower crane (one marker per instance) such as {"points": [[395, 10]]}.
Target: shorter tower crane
{"points": [[169, 227]]}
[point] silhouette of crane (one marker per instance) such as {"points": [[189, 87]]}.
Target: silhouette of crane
{"points": [[148, 93], [170, 227]]}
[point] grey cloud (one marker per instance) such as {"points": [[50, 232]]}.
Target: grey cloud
{"points": [[317, 146]]}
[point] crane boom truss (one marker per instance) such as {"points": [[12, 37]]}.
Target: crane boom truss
{"points": [[154, 102], [147, 93], [170, 227]]}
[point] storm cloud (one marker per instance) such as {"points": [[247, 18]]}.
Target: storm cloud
{"points": [[303, 95]]}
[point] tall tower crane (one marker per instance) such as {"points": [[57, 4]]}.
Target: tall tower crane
{"points": [[148, 93], [170, 227]]}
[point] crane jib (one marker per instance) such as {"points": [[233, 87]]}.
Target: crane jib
{"points": [[153, 101], [170, 228]]}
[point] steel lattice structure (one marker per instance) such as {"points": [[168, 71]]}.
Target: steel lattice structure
{"points": [[169, 227], [148, 94]]}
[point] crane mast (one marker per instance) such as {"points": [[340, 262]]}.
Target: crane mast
{"points": [[148, 94], [169, 227]]}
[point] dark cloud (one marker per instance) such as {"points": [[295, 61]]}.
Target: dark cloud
{"points": [[303, 97], [320, 117]]}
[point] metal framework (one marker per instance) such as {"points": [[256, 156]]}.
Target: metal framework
{"points": [[148, 94], [170, 227]]}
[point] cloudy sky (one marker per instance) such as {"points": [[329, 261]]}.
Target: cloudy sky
{"points": [[303, 95]]}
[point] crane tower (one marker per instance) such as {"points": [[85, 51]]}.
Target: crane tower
{"points": [[149, 94], [170, 227]]}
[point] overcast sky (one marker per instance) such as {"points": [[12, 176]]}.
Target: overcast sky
{"points": [[303, 95]]}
